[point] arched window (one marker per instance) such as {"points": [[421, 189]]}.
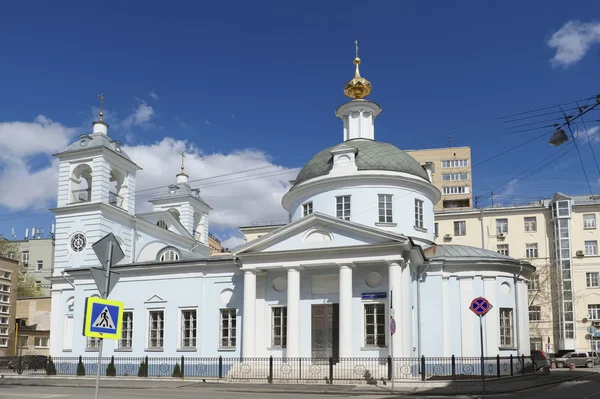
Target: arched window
{"points": [[114, 191], [162, 223], [81, 184], [168, 255]]}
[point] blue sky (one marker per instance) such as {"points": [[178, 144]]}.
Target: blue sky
{"points": [[255, 84]]}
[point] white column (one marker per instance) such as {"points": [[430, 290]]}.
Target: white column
{"points": [[249, 316], [395, 294], [345, 324], [293, 313]]}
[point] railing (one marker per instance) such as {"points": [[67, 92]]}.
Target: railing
{"points": [[82, 195], [270, 369], [115, 199]]}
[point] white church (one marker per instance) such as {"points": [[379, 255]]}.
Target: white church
{"points": [[358, 250]]}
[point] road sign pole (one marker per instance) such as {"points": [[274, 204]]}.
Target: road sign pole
{"points": [[482, 358], [104, 296]]}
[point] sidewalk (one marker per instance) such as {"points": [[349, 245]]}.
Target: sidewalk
{"points": [[444, 388]]}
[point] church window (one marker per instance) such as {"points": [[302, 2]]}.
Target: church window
{"points": [[279, 323], [156, 332], [78, 242], [92, 343], [189, 323], [228, 328], [126, 341], [418, 213], [385, 208], [375, 325], [169, 255], [307, 208], [161, 223], [343, 207], [506, 327]]}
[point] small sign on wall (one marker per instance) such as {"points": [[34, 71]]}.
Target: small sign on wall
{"points": [[374, 295]]}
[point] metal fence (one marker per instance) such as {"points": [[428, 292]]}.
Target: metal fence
{"points": [[278, 369]]}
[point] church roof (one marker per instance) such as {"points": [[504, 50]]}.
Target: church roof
{"points": [[179, 190], [370, 155], [96, 140], [462, 251]]}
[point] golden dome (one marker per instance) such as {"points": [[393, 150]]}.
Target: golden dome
{"points": [[358, 87]]}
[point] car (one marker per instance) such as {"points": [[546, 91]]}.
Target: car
{"points": [[578, 358], [540, 359]]}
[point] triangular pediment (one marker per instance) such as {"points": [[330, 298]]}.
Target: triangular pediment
{"points": [[155, 299], [154, 217], [319, 231]]}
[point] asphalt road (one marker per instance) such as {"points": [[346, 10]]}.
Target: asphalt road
{"points": [[583, 388]]}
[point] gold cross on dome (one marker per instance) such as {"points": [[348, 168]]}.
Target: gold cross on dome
{"points": [[182, 161], [102, 100], [356, 43]]}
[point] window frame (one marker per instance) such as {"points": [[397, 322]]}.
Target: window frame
{"points": [[346, 206], [460, 223], [25, 257], [35, 345], [193, 329], [585, 224], [505, 246], [376, 326], [531, 252], [532, 222], [594, 311], [590, 246], [536, 311], [307, 208], [455, 190], [39, 265], [160, 339], [419, 213], [126, 331], [506, 325], [387, 200], [589, 283], [283, 327], [92, 344], [231, 338], [502, 226], [533, 284], [171, 251]]}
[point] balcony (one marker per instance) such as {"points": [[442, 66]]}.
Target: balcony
{"points": [[82, 195], [115, 200]]}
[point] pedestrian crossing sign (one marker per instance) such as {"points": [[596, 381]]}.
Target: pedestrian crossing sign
{"points": [[103, 318]]}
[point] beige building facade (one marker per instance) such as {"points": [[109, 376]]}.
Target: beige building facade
{"points": [[33, 319], [451, 175], [560, 238], [37, 260]]}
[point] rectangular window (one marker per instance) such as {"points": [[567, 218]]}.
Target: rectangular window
{"points": [[375, 325], [4, 309], [501, 226], [307, 208], [436, 230], [589, 221], [502, 249], [591, 248], [535, 313], [3, 342], [563, 208], [460, 228], [92, 343], [456, 190], [126, 341], [156, 329], [5, 298], [5, 288], [3, 320], [3, 330], [385, 208], [343, 207], [534, 282], [535, 344], [41, 342], [455, 163], [506, 327], [531, 224], [228, 328], [279, 325], [188, 328], [592, 279], [594, 312], [531, 250], [455, 176], [25, 257], [40, 265], [6, 275], [419, 213]]}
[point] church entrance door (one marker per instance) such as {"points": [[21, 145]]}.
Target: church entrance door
{"points": [[325, 331]]}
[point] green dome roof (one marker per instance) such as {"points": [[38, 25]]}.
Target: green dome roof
{"points": [[370, 155]]}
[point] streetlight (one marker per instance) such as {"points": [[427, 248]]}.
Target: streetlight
{"points": [[558, 137]]}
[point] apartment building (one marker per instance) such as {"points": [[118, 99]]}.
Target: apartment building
{"points": [[559, 236], [8, 299], [33, 319], [37, 258], [451, 174]]}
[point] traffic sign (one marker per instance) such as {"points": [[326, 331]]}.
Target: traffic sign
{"points": [[103, 318], [480, 306], [393, 326], [101, 248], [591, 329], [100, 279]]}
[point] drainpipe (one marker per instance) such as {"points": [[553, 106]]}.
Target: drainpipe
{"points": [[134, 239], [482, 235], [517, 308]]}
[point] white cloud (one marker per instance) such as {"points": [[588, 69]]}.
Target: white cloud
{"points": [[154, 95], [28, 138], [593, 135], [233, 242], [573, 41], [140, 117]]}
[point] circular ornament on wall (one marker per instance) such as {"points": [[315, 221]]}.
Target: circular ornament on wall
{"points": [[280, 284], [78, 242], [505, 288], [373, 279]]}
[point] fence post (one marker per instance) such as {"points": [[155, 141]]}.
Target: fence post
{"points": [[511, 365], [389, 367], [523, 363], [147, 370], [498, 365], [299, 368], [330, 369], [423, 368], [271, 369], [182, 367], [220, 367], [453, 367]]}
